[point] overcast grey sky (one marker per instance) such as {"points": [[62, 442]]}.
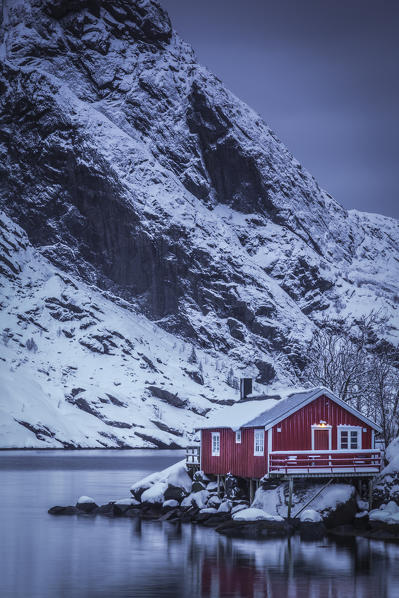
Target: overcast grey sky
{"points": [[322, 73]]}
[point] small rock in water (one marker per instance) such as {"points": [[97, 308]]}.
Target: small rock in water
{"points": [[63, 510], [86, 504]]}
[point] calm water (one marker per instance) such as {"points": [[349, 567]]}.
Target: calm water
{"points": [[49, 557]]}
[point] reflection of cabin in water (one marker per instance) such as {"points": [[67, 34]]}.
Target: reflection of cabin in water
{"points": [[307, 434]]}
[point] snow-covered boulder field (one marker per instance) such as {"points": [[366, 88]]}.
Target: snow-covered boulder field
{"points": [[177, 495]]}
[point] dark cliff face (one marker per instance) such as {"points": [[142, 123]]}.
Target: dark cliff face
{"points": [[131, 166]]}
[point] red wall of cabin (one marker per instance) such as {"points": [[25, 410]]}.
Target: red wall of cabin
{"points": [[236, 458], [296, 429], [239, 459]]}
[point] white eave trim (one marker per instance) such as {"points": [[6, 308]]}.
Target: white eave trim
{"points": [[332, 397]]}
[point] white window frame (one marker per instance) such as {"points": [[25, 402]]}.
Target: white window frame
{"points": [[349, 429], [238, 436], [324, 427], [215, 444], [259, 433]]}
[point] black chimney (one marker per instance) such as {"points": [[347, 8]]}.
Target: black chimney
{"points": [[245, 387]]}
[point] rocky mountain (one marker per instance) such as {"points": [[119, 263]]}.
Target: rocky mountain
{"points": [[147, 211]]}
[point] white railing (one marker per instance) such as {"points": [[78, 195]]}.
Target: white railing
{"points": [[193, 455], [365, 460]]}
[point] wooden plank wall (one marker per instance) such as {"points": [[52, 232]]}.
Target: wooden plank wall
{"points": [[296, 430]]}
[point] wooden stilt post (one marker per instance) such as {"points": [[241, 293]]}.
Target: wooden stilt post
{"points": [[218, 482], [251, 491], [370, 493], [290, 490]]}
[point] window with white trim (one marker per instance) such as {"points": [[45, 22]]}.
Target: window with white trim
{"points": [[215, 444], [238, 437], [259, 442], [349, 438]]}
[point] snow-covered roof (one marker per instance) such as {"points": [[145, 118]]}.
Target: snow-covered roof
{"points": [[269, 412], [236, 416], [283, 407]]}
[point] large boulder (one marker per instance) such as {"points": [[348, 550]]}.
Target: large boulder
{"points": [[338, 506], [155, 494], [173, 483]]}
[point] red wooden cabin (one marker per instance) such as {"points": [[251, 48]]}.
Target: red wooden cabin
{"points": [[311, 433]]}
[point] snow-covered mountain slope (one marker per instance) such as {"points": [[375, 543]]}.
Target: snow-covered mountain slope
{"points": [[173, 208], [81, 368]]}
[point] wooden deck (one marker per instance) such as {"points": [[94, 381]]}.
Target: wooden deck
{"points": [[365, 463]]}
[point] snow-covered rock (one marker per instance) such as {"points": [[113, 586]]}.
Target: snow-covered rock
{"points": [[86, 504], [386, 487], [196, 499], [214, 501], [154, 487], [170, 504], [209, 510], [155, 494], [311, 516], [212, 487], [238, 508], [253, 514], [225, 506], [85, 500], [149, 211], [388, 513]]}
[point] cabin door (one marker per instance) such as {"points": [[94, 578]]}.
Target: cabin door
{"points": [[321, 440]]}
